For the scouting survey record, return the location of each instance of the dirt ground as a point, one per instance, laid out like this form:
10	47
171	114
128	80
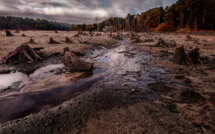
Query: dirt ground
181	100
42	38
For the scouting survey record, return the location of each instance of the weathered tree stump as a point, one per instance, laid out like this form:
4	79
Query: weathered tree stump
52	41
149	40
8	33
192	58
189	38
23	35
73	63
181	57
162	43
110	35
32	41
172	43
195	56
21	53
68	40
76	35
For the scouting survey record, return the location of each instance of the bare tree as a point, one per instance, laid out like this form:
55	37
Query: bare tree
97	20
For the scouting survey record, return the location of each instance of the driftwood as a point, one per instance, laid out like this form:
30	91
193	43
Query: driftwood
21	53
73	63
192	58
8	33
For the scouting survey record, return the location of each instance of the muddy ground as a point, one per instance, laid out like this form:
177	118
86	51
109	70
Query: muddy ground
141	90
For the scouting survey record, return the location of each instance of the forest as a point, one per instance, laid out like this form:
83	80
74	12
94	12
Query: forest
184	15
8	22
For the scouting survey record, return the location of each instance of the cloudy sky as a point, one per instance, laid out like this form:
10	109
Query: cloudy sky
77	11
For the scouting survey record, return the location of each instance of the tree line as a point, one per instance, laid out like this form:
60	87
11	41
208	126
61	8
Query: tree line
189	15
8	22
192	15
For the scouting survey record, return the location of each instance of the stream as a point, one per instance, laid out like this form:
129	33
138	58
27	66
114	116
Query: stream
44	89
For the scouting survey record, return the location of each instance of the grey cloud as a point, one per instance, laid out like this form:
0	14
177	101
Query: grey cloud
77	11
54	4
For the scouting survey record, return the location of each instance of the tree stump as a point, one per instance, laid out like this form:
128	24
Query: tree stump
162	43
52	41
21	53
181	57
68	40
189	38
195	56
32	41
8	33
23	35
73	63
192	58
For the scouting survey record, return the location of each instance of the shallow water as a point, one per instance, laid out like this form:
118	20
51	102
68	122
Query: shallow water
123	62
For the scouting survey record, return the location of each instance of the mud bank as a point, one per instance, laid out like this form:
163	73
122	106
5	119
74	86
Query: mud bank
139	93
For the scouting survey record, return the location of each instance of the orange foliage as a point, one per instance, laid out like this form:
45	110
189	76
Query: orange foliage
164	27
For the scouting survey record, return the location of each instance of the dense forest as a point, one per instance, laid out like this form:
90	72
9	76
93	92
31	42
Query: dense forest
184	15
9	22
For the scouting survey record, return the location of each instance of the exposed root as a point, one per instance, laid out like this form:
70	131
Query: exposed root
22	52
73	63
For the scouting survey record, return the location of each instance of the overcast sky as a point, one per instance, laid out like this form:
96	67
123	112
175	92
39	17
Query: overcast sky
77	11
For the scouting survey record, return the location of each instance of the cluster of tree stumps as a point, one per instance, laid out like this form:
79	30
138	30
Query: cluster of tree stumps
24	53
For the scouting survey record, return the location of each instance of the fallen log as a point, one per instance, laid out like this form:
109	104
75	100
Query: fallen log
73	63
21	53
